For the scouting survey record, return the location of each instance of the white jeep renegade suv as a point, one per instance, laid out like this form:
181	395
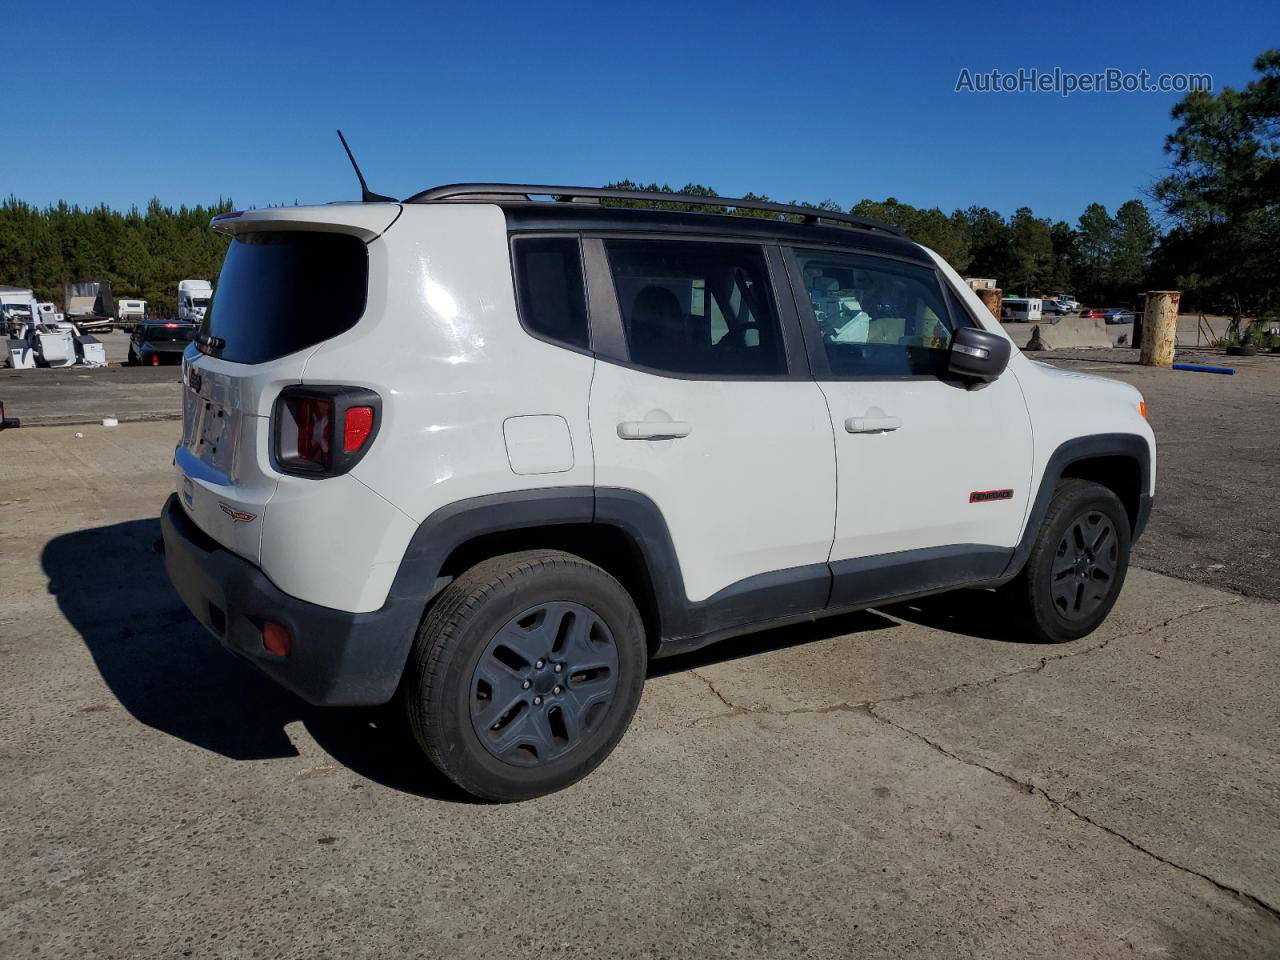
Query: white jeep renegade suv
491	455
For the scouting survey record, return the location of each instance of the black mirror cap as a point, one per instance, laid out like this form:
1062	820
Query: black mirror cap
978	354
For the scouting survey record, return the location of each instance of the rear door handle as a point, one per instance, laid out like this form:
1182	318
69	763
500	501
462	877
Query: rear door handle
654	429
872	424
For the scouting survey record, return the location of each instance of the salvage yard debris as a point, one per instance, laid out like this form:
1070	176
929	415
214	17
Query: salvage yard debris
56	344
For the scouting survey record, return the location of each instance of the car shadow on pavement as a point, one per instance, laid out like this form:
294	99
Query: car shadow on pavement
171	675
981	614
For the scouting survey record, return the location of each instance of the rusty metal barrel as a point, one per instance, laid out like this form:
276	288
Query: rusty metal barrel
1159	328
990	299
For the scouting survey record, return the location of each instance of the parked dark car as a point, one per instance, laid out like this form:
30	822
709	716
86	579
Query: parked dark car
1093	313
153	343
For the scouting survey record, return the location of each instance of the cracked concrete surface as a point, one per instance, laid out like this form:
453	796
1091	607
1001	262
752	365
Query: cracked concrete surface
913	782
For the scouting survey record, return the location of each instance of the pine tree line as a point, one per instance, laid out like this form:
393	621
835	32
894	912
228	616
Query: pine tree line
142	253
1099	258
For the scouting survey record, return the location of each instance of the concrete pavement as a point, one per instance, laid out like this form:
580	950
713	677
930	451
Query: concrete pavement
913	782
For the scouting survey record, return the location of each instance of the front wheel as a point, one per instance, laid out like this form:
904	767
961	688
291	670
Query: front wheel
1077	565
525	674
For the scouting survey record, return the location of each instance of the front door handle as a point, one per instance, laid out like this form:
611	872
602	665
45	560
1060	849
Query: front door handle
872	424
654	429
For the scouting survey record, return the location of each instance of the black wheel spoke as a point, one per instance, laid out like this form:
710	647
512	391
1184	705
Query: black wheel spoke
1107	562
504	686
1085	566
1100	537
491	717
543	683
519	732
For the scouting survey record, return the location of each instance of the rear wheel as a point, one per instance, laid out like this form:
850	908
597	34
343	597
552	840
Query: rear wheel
525	674
1077	565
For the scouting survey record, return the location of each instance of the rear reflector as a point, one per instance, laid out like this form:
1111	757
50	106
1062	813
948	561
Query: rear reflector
356	430
276	639
155	359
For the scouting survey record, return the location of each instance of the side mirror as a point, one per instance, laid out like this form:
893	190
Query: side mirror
977	354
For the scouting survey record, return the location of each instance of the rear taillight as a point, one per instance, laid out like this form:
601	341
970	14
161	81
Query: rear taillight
313	421
324	431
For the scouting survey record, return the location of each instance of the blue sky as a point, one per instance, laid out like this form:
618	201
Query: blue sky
799	101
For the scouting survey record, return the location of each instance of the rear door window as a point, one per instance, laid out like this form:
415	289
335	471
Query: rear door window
283	291
701	309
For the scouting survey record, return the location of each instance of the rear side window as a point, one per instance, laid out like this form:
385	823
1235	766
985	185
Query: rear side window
284	291
697	308
549	291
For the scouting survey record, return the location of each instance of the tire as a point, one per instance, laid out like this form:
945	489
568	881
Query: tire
525	673
1067	588
133	359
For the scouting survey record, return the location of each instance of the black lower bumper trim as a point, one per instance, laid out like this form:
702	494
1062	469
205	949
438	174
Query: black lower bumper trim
337	659
1145	502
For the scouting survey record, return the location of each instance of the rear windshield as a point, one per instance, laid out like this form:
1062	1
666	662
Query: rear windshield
169	331
280	292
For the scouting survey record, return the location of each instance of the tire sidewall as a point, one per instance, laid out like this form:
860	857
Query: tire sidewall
457	747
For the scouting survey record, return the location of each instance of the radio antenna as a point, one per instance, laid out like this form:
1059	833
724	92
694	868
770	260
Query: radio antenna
366	195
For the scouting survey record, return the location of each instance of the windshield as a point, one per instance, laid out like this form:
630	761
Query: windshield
283	291
199	301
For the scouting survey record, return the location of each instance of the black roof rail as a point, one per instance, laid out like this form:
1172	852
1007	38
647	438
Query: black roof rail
527	191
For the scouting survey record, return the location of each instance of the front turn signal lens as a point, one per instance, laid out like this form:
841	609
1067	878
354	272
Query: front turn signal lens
1142	408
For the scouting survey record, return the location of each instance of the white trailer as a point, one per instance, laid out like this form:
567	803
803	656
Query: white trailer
131	312
193	299
1022	309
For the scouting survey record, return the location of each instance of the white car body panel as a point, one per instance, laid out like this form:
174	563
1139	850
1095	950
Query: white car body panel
750	490
909	488
442	344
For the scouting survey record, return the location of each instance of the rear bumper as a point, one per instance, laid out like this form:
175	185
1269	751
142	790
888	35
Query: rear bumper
338	658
